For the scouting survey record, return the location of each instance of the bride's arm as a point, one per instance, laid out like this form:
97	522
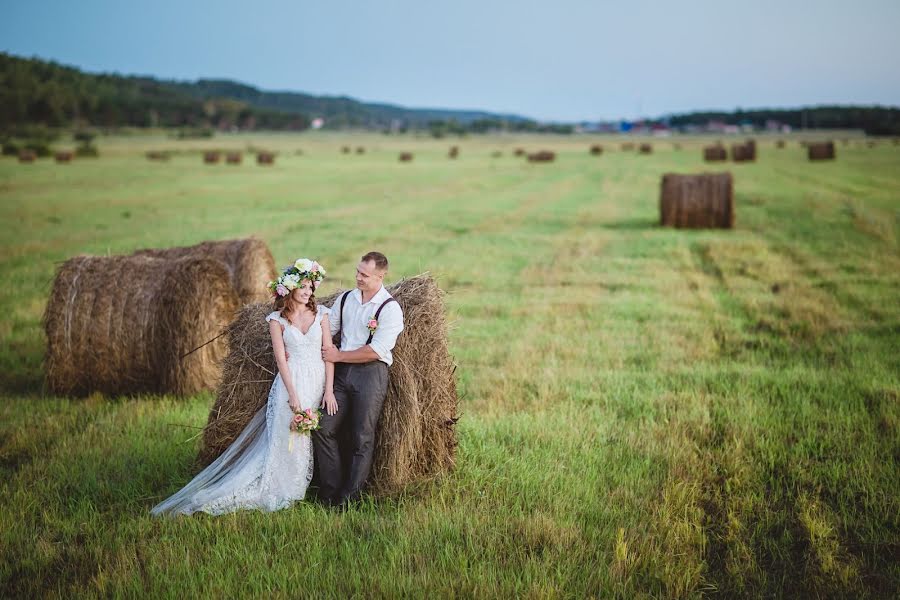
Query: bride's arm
328	400
275	329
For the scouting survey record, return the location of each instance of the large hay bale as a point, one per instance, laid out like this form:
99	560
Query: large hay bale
157	155
715	153
416	439
779	144
646	149
212	157
234	158
129	324
27	156
542	156
519	152
821	151
64	156
249	261
360	150
742	153
265	158
454	152
406	157
345	149
596	150
697	201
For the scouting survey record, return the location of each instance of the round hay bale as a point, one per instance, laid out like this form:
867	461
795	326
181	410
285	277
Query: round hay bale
64	156
345	149
103	336
234	158
820	151
406	157
27	156
360	150
416	437
454	152
265	158
715	153
742	153
519	152
697	201
212	157
542	156
779	144
646	149
596	150
157	155
249	261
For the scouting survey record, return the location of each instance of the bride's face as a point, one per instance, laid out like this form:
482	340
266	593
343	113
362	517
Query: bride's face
302	293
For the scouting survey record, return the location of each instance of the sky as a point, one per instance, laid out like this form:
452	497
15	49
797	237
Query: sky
556	60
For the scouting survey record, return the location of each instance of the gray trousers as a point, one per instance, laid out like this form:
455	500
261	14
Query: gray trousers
345	442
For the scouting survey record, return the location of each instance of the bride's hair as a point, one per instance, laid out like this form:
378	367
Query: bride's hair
288	306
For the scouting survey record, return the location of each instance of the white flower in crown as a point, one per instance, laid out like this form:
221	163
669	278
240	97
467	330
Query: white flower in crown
304	265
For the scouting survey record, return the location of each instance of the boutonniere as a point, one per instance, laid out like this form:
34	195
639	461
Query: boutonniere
372	325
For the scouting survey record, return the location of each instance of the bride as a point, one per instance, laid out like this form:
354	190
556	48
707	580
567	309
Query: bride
268	466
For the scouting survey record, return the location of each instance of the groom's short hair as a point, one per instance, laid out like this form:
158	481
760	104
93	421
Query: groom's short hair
380	260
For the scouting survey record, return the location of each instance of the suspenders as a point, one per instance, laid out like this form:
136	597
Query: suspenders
340	332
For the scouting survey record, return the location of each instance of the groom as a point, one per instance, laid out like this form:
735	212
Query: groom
368	320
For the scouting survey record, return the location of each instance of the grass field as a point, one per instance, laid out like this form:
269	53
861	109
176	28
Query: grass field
645	412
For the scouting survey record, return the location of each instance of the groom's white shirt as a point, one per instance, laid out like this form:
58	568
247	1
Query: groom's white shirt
357	315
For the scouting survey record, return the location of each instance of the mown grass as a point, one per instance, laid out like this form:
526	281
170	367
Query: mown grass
645	413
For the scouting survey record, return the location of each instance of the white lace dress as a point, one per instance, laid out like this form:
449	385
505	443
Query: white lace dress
267	467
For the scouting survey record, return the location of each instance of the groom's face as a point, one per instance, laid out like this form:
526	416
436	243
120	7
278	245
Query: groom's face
368	277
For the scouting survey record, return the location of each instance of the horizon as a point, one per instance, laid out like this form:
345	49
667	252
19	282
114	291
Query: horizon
592	62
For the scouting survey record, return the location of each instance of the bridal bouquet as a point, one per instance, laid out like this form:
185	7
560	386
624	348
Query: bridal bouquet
306	420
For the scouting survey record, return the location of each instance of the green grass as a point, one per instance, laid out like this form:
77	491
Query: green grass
645	412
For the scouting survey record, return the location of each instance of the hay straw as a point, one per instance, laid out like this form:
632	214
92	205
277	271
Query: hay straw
123	325
705	200
416	438
249	261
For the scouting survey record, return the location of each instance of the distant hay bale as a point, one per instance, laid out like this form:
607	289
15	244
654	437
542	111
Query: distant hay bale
821	151
519	152
157	155
265	158
779	144
64	156
416	439
542	156
345	149
360	150
750	145
596	150
627	147
406	157
454	152
250	263
128	324
234	158
697	201
27	156
646	149
211	158
742	153
715	153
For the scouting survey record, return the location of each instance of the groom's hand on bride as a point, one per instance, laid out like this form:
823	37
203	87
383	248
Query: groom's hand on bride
329	403
331	354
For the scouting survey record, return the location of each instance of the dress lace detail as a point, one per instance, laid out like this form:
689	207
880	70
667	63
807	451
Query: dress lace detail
267	467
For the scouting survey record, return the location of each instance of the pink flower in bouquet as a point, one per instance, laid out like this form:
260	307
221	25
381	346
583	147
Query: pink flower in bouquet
281	290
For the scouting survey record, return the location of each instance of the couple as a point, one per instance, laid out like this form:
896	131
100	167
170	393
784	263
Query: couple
269	466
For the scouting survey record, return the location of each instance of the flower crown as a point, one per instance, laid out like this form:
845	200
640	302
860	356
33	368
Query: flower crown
291	277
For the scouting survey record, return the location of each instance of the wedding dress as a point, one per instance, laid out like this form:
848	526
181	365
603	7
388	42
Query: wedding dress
268	467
